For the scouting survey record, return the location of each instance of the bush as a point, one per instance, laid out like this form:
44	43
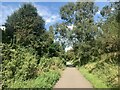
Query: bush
106	69
18	63
47	64
45	80
21	64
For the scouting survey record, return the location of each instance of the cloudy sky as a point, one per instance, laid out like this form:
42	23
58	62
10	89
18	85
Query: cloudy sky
48	10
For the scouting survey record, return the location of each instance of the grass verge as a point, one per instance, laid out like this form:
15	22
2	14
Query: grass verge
93	79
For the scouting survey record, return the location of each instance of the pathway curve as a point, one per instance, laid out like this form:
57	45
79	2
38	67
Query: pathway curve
71	78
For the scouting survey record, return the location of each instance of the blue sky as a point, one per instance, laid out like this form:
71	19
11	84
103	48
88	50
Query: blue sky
48	10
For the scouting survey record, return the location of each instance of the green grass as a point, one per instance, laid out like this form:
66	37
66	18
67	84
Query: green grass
93	79
45	80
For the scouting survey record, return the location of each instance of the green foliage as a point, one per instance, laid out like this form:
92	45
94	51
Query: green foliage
70	56
55	50
96	82
29	51
23	25
30	54
67	12
105	69
91	40
45	80
47	64
74	13
82	37
20	64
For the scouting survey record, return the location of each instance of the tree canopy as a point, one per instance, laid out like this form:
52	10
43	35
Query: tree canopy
24	24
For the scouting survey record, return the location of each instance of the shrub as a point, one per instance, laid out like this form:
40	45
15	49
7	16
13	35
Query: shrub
47	64
45	80
106	69
18	63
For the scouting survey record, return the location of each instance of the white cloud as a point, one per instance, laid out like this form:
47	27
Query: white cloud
42	10
47	14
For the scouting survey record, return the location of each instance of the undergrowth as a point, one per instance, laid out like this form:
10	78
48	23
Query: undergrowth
105	70
95	81
45	80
